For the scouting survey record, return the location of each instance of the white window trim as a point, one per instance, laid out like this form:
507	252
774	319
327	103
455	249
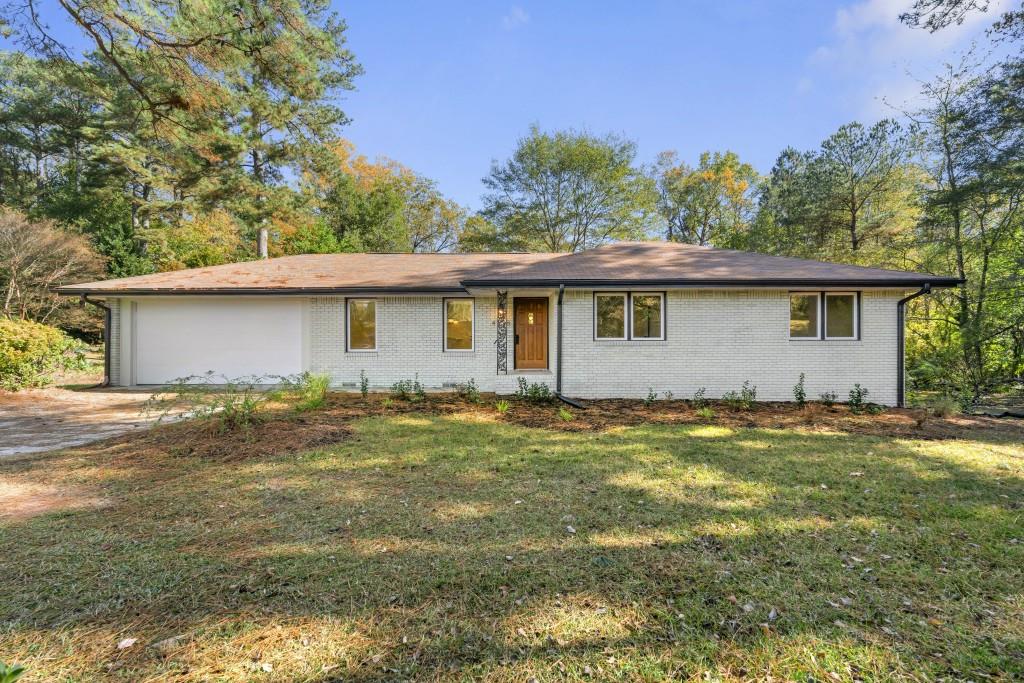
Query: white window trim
472	324
348	325
818	318
661	331
824	317
625	315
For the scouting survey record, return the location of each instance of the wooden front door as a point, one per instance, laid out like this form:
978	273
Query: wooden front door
531	333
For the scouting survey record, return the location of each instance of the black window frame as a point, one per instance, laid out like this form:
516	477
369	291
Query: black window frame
822	308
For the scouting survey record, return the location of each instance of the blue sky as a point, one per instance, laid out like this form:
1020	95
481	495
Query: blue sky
450	86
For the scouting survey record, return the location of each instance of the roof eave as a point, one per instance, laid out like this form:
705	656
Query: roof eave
935	282
253	291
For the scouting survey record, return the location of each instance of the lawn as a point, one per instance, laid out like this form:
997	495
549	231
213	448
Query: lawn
461	545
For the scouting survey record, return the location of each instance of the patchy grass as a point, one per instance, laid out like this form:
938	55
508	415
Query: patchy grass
456	543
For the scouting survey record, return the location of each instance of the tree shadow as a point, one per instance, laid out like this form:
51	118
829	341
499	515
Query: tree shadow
489	547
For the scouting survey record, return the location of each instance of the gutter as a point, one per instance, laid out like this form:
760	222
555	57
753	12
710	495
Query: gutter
107	319
901	316
558	359
719	282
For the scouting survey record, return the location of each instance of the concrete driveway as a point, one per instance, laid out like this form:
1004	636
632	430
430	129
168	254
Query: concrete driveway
38	420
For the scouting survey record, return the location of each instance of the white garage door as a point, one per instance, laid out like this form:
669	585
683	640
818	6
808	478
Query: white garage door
232	337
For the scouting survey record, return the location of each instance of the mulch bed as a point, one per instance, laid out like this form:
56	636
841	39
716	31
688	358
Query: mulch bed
283	431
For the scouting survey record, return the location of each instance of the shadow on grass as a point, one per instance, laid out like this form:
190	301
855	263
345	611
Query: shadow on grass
430	546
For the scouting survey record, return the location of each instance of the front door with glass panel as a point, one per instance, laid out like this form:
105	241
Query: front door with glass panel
531	330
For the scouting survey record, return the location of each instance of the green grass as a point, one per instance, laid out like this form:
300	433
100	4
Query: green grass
439	547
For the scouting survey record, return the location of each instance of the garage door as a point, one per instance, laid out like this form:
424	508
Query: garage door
234	338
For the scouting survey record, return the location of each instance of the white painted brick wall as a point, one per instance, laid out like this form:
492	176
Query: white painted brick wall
715	339
720	338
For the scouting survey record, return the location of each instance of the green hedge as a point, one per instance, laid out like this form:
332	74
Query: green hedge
30	352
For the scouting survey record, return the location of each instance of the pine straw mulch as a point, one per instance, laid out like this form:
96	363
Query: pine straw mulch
282	431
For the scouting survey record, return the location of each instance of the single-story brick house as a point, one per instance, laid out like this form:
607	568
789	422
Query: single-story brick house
615	321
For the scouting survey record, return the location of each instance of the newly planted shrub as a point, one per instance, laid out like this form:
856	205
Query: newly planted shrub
231	403
30	353
468	391
502	406
364	384
799	393
535	392
742	400
944	406
409	390
565	414
699	401
858	398
312	390
705	412
828	398
652	396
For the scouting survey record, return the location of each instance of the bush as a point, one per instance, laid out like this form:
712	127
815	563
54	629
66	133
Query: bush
312	390
30	352
536	392
409	390
232	403
799	393
364	384
944	406
744	400
502	406
828	398
652	396
858	398
705	412
565	414
698	398
468	391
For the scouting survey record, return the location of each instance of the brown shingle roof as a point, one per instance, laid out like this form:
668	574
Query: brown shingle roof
622	263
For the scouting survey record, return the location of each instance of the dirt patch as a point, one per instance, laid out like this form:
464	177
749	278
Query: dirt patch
22	501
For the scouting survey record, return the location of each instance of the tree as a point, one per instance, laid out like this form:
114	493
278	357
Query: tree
973	227
35	257
567	191
710	204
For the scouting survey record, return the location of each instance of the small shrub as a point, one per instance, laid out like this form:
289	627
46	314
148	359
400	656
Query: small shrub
668	395
312	391
501	406
387	403
468	391
875	409
742	400
402	389
10	673
799	393
858	399
705	412
652	396
944	406
408	390
232	403
565	415
31	352
699	401
364	384
828	398
535	392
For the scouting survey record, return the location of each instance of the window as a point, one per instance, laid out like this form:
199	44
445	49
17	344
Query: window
610	316
840	315
622	316
458	325
647	316
803	316
362	325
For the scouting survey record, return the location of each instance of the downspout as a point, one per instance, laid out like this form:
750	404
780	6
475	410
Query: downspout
558	358
107	317
901	316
